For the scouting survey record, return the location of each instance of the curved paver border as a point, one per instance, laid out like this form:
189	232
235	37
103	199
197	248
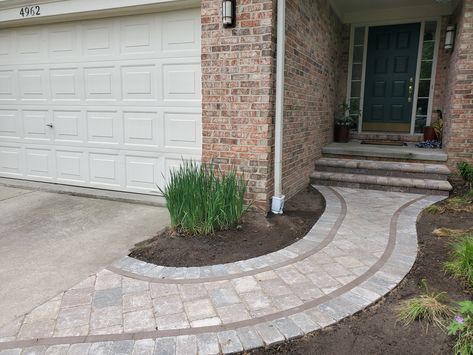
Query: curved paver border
395	262
320	235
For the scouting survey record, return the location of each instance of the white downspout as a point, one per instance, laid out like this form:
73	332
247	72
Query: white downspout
277	204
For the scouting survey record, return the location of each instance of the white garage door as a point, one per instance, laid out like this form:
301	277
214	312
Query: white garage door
109	103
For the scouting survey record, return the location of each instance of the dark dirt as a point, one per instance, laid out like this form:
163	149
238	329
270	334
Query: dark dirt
376	329
258	235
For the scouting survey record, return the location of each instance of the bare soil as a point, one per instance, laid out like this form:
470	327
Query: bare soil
256	235
376	330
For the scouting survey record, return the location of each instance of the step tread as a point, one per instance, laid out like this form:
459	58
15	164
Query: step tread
384	165
383	180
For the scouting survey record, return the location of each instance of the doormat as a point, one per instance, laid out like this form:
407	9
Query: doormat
383	142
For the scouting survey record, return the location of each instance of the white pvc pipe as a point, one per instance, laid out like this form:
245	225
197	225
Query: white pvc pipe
278	129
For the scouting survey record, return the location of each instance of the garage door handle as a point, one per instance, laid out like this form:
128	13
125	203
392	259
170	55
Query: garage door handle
50	125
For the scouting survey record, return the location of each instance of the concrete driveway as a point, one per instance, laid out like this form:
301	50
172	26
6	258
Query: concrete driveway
49	242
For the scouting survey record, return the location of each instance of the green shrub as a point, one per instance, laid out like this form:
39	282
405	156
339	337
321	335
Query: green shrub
462	328
466	172
461	263
202	200
430	307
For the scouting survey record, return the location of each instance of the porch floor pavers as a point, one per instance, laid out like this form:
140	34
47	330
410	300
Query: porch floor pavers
363	246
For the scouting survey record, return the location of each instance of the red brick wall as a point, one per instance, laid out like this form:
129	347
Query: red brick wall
459	90
316	49
238	92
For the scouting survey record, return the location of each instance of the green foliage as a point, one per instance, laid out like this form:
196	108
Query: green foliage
202	200
461	263
437	125
461	327
433	209
347	114
430	307
466	172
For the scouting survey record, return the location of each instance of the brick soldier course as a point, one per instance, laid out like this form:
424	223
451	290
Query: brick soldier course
362	246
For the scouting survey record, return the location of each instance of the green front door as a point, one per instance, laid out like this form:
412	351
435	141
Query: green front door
390	74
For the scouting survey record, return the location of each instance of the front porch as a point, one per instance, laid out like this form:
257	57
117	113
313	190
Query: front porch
396	73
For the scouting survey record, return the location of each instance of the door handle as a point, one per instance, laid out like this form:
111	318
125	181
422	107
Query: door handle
50	125
410	89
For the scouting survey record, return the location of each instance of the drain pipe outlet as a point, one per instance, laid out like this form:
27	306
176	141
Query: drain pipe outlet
277	204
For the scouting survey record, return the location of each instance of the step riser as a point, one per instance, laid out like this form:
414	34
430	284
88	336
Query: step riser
384	158
379	172
379	187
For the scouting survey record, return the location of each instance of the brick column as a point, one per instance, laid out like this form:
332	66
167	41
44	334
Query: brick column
459	93
238	92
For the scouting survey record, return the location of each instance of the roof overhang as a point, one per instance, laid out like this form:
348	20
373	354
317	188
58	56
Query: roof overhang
369	11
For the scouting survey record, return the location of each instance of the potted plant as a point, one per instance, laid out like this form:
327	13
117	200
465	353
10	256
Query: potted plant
438	126
344	119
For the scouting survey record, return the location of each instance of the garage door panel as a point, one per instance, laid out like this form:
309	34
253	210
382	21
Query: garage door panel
71	166
66	84
102	84
6	45
11	161
105	169
123	97
182	83
40	164
141	128
181	32
182	130
103	127
10	126
142	173
35	125
33	85
139	82
69	127
8	90
99	38
63	42
31	44
137	35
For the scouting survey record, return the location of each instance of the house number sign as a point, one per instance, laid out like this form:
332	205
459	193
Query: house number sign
30	11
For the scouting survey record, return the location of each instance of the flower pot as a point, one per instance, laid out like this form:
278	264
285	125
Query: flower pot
429	134
342	133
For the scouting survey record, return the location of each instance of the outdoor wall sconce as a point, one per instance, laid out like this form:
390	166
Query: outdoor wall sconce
229	13
449	37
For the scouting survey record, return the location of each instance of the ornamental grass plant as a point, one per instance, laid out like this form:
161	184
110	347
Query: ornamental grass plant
202	199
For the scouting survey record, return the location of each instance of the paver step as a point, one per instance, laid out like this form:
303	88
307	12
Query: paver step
354	149
383	168
376	182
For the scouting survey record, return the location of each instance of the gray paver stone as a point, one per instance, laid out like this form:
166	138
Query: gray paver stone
249	338
108	297
269	333
79	349
165	346
207	344
229	342
144	347
288	328
57	349
123	347
186	345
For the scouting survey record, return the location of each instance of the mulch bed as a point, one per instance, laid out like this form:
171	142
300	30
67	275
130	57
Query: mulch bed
257	235
376	329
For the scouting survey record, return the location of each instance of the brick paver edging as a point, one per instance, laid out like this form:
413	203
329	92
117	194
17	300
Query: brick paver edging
385	241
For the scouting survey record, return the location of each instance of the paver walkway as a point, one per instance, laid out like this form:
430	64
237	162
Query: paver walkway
362	246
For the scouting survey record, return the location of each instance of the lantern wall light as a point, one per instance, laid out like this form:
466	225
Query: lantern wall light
449	37
229	13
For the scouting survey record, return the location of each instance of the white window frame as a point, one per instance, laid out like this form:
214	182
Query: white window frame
367	26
